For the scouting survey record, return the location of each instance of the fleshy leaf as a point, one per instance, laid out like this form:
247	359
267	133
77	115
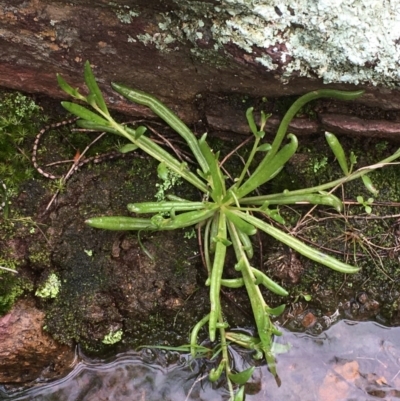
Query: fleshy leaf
94	89
242	377
84	113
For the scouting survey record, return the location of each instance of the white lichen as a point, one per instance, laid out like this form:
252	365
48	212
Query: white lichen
159	40
123	13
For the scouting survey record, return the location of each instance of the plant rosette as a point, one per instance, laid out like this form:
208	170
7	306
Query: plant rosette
229	214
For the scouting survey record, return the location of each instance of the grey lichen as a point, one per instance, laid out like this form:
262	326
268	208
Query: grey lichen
348	41
123	13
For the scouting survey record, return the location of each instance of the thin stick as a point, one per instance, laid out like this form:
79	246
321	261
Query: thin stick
73	169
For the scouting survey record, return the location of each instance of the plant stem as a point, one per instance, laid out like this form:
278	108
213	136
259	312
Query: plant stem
264	325
248	162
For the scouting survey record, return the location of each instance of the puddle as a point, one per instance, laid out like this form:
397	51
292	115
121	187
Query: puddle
350	361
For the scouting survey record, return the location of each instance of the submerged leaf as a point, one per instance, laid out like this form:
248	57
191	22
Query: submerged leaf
242	377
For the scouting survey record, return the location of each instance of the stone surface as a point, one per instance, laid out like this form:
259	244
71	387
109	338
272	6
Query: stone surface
181	50
26	351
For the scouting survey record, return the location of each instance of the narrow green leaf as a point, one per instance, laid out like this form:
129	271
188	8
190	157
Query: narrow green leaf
96	127
129	147
323	198
185	219
217	181
242	377
298	104
250	121
216	276
246	243
224	241
239	396
244	340
158	153
240	223
84	113
167	115
299	246
267	170
91	99
194	334
264	119
273	213
268	283
338	151
139	131
353	158
213	233
67	88
369	185
265	147
275	311
215	374
232	282
165	206
120	223
94	89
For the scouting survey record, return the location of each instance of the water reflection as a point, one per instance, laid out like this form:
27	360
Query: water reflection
350	361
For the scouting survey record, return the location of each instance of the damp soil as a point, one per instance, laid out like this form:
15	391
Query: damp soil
150	286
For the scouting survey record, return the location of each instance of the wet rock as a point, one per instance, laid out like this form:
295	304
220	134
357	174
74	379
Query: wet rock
26	351
362	298
286	266
309	320
372	306
337	383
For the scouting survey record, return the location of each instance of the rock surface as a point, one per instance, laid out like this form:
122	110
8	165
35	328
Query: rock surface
26	351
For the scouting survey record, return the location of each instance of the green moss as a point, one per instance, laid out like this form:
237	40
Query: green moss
38	255
19	116
11	288
50	288
113	337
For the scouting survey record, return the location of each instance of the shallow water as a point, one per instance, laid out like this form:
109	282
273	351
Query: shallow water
350	361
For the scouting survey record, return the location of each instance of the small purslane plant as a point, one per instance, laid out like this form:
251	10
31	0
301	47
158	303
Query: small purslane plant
228	215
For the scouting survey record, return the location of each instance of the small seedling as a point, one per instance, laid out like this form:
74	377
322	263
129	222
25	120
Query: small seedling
319	164
365	203
306	297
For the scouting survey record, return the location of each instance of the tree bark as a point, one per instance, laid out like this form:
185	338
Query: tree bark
148	45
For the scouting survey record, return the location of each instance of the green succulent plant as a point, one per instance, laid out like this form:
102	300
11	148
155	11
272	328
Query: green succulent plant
228	215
